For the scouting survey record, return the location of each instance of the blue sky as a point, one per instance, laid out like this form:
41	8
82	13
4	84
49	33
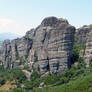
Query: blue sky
18	16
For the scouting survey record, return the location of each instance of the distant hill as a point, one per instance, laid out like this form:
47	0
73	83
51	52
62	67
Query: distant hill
10	36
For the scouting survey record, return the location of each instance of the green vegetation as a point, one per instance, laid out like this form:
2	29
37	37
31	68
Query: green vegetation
29	39
76	51
26	56
36	59
13	74
17	53
76	79
26	68
82	84
70	81
14	77
18	90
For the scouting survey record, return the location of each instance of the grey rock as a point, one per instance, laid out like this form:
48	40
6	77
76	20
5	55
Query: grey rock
27	74
45	48
84	35
42	85
45	75
53	43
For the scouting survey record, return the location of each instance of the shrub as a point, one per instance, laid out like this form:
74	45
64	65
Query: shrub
18	90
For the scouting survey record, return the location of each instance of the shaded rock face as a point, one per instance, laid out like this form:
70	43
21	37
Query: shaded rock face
48	47
13	51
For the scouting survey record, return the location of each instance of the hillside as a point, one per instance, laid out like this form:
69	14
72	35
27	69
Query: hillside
82	84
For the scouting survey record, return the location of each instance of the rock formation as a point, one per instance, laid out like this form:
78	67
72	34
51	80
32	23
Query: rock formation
52	45
84	35
45	48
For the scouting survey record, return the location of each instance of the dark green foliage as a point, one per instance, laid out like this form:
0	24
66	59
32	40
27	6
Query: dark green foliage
34	82
76	79
29	39
2	81
17	53
26	68
11	75
34	76
76	51
56	83
82	84
18	75
1	62
26	56
36	59
1	67
19	58
29	85
18	90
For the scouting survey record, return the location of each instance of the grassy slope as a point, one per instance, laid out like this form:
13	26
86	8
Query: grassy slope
82	84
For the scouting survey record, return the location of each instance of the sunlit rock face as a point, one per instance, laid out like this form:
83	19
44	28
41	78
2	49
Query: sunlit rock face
53	42
84	35
48	47
81	34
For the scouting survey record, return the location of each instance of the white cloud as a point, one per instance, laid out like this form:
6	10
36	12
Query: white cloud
9	25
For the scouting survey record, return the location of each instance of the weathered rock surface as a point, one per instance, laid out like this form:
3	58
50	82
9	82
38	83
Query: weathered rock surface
84	35
42	85
27	74
52	46
46	48
88	50
81	34
12	53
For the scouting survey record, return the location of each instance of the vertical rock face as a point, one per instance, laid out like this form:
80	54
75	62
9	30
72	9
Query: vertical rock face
81	34
52	45
15	51
6	57
48	47
88	50
84	35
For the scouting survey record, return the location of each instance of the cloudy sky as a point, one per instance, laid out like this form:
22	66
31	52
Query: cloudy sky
19	16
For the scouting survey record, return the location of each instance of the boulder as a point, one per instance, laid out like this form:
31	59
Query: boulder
42	85
27	74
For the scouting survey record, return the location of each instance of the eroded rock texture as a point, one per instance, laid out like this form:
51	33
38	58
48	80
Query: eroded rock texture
88	50
52	46
84	35
12	53
81	34
46	48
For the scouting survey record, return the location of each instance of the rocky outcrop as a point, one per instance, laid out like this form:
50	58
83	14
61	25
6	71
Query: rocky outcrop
46	48
81	34
88	50
27	74
14	52
5	53
52	46
84	35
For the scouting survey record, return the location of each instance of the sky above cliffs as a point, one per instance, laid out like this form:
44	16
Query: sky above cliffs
19	16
